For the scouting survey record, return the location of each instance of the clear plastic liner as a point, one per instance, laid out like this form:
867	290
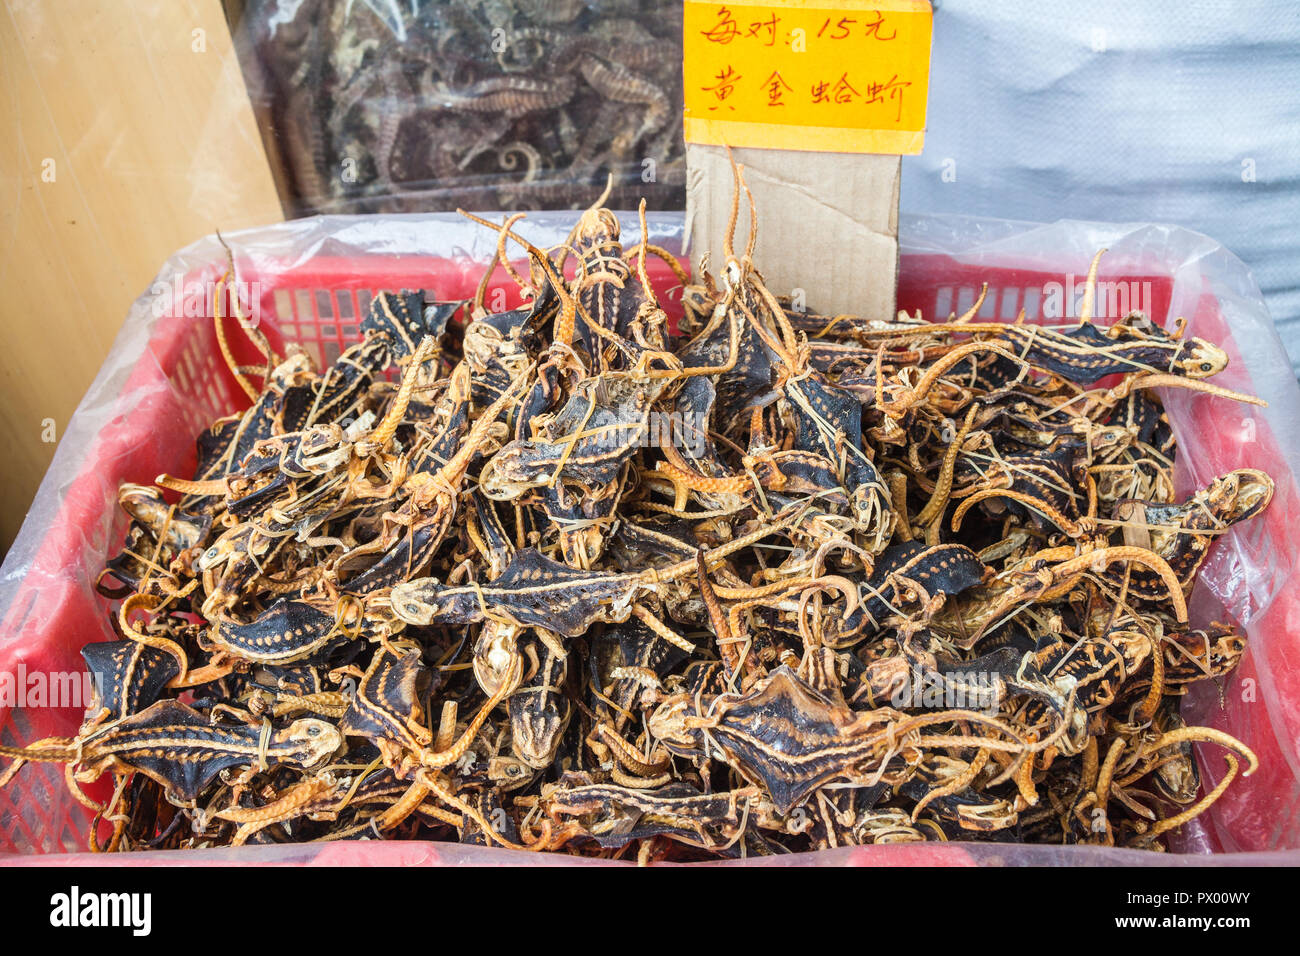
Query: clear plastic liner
1161	111
132	424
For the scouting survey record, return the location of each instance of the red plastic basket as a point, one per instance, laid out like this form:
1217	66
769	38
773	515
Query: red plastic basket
183	384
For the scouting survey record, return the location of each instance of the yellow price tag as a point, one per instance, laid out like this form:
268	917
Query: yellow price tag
848	76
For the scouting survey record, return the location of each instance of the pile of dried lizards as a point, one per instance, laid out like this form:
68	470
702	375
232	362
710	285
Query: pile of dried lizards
782	582
493	104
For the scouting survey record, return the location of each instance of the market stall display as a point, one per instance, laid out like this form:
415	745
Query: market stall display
697	636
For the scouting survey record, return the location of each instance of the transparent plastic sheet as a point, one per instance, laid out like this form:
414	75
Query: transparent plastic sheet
383	106
1161	111
124	430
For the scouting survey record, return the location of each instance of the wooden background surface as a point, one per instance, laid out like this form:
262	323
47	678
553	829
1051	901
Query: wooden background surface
127	134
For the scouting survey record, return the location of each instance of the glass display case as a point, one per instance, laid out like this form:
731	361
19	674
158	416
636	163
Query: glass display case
388	106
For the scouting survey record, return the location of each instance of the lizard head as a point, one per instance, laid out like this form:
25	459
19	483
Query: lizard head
419	601
1200	359
509	772
1239	495
496	656
674	725
515	469
538	732
597	227
872	514
315	741
323	448
223	549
